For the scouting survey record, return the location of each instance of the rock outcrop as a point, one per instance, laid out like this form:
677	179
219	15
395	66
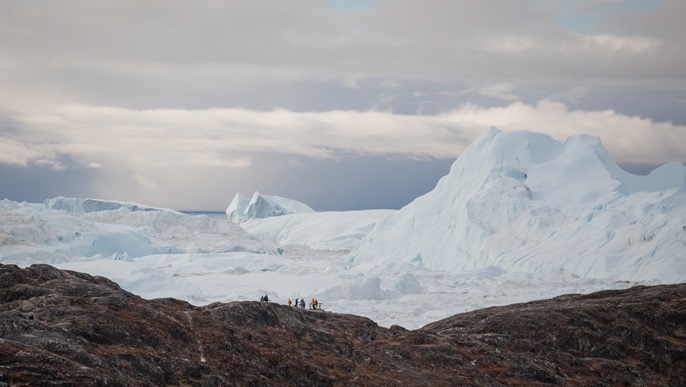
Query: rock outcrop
68	328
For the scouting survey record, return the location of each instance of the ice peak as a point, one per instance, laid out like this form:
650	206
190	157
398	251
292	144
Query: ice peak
525	201
576	170
262	206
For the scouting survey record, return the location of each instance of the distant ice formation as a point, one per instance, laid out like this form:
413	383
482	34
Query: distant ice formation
67	229
92	205
263	206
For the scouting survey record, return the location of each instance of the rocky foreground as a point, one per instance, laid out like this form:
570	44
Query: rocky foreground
68	328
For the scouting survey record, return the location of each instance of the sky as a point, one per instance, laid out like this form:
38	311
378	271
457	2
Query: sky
339	104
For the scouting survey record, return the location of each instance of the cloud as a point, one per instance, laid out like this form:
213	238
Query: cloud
587	46
225	138
607	45
504	91
16	153
508	44
71	48
573	95
147	183
52	164
627	138
166	156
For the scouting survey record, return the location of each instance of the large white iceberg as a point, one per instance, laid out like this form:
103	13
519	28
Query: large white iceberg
525	202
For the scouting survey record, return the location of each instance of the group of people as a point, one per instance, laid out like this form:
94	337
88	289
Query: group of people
314	304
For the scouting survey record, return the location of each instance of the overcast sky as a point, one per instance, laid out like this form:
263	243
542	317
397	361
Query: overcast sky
347	104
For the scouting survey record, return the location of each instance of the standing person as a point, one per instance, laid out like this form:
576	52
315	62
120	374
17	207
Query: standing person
296	302
266	299
302	303
289	302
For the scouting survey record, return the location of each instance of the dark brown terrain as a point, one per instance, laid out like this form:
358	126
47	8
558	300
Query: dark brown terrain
72	329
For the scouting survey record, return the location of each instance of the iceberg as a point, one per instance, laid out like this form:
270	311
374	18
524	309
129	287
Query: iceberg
522	201
84	205
261	206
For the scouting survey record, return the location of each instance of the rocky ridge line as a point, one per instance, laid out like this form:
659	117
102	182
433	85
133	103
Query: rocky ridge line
67	328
